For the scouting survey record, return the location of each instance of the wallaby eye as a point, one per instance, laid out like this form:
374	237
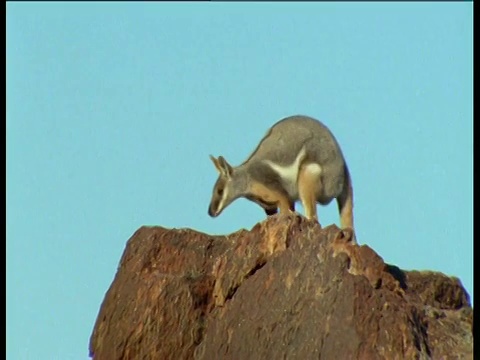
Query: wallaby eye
219	192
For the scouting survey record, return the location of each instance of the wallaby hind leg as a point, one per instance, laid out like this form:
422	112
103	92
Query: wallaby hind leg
308	182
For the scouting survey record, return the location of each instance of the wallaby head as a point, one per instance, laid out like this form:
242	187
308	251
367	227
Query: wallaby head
227	187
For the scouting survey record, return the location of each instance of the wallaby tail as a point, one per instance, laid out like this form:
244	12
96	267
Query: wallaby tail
345	202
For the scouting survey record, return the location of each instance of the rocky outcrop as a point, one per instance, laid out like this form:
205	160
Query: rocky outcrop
287	289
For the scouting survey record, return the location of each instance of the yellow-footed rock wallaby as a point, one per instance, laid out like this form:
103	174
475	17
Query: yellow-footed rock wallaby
298	159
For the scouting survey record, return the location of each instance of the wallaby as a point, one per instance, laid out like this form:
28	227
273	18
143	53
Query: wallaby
298	159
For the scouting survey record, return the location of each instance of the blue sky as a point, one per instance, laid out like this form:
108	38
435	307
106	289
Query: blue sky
113	109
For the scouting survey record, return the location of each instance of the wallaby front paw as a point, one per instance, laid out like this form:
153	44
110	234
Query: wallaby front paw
349	234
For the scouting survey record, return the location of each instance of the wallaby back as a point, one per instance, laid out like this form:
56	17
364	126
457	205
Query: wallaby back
285	139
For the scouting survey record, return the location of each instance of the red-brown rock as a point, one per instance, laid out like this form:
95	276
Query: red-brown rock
287	289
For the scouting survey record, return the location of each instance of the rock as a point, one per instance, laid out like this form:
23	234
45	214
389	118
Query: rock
287	289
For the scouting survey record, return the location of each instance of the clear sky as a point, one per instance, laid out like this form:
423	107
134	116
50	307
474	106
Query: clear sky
113	109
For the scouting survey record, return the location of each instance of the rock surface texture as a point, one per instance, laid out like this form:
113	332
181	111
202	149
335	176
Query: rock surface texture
287	289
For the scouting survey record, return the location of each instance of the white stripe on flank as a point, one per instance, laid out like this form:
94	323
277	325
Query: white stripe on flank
289	173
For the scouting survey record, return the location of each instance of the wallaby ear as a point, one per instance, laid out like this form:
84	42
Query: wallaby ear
216	163
226	168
